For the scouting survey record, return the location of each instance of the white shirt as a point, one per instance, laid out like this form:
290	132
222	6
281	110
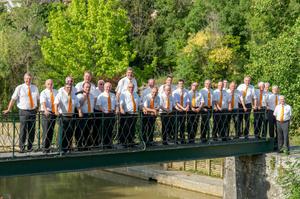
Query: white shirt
62	100
123	85
264	98
237	98
74	90
163	102
225	98
96	92
21	97
147	101
286	114
176	95
271	101
204	93
198	97
161	89
45	97
79	86
84	103
250	93
102	101
145	92
126	101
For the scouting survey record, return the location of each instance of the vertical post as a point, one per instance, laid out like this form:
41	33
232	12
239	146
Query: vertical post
60	132
14	135
39	129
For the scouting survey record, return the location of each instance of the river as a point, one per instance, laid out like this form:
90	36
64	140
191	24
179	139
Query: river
89	185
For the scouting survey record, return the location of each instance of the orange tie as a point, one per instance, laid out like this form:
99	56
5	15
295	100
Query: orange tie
152	103
245	92
69	104
89	104
232	100
194	100
168	103
208	99
221	99
276	100
181	99
260	98
281	113
30	98
133	103
108	103
52	101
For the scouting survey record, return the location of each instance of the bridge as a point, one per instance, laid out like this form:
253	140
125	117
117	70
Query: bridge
13	163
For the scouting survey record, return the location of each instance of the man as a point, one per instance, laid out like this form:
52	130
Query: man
196	103
148	90
267	87
150	112
99	89
181	98
235	98
26	95
65	104
107	103
221	103
47	97
69	80
283	114
129	102
87	77
272	102
207	94
123	83
248	94
84	133
168	82
167	117
259	110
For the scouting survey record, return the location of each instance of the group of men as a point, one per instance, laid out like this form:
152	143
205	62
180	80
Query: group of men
180	110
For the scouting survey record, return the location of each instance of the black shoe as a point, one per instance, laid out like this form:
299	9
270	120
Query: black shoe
182	142
165	143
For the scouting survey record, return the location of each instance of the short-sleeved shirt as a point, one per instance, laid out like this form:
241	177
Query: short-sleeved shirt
177	95
204	93
271	101
79	86
198	98
84	103
62	100
250	93
287	113
46	97
163	102
127	103
225	98
123	85
147	101
102	102
161	89
237	98
263	99
22	99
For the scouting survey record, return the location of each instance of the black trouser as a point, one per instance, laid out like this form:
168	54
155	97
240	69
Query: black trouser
246	117
48	124
272	124
234	117
168	126
192	125
127	128
181	118
27	128
84	131
98	128
148	127
283	134
67	125
220	123
108	124
260	122
205	123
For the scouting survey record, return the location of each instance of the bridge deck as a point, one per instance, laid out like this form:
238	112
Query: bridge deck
37	162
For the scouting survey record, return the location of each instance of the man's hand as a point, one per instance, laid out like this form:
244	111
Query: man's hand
6	111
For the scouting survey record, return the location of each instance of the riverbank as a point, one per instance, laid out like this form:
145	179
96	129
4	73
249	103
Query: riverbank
179	179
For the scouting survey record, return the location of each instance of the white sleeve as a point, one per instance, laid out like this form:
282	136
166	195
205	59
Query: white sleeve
43	97
16	93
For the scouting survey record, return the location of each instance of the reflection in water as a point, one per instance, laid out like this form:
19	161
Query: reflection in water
89	185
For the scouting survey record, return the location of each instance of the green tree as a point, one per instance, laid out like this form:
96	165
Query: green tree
88	35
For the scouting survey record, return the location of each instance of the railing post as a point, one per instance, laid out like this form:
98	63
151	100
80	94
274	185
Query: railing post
140	131
39	130
14	135
60	132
